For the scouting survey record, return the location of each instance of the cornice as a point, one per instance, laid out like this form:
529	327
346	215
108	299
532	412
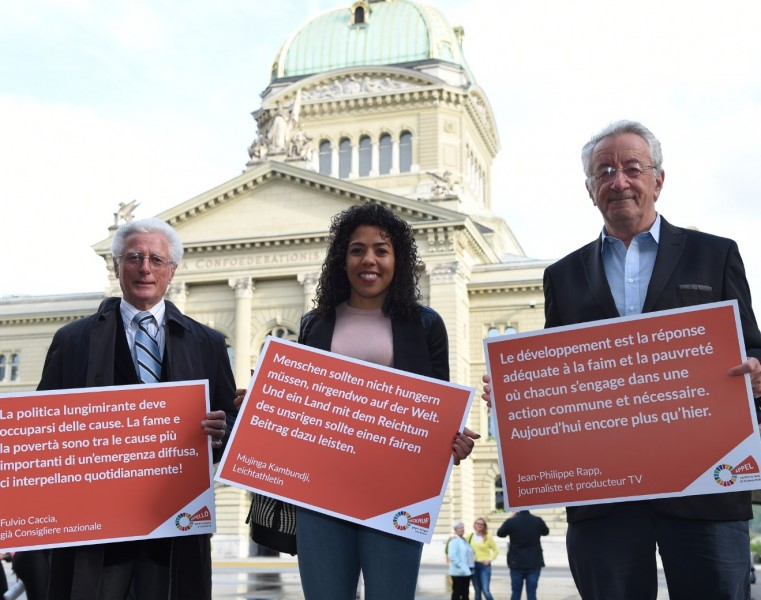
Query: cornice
42	319
392	102
331	86
268	243
480	113
501	288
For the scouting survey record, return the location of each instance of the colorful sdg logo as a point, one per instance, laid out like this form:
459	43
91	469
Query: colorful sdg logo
402	520
724	476
183	522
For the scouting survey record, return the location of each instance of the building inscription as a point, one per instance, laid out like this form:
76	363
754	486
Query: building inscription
254	260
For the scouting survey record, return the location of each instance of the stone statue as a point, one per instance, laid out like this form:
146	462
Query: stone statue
257	151
124	212
443	185
279	132
300	144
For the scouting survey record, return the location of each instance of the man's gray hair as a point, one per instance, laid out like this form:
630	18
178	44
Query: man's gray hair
151	225
619	128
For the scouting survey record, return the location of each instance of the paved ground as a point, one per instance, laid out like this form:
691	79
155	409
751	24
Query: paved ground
278	579
262	580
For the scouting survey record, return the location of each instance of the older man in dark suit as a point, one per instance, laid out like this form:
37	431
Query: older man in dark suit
641	263
110	348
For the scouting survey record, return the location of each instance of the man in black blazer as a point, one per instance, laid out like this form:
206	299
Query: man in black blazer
525	558
641	263
100	350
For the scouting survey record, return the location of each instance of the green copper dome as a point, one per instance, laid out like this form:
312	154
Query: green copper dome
385	32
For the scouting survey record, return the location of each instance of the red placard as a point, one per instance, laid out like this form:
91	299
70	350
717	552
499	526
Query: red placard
104	464
369	444
630	408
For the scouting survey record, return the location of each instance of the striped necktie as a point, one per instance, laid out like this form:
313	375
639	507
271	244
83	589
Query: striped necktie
146	349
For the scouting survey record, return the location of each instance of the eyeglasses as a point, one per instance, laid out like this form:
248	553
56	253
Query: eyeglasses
632	172
135	259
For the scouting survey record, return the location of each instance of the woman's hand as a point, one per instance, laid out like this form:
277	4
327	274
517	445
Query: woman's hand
462	444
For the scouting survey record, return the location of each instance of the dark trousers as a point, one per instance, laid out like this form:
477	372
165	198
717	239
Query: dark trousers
520	576
614	556
32	567
138	576
134	570
460	587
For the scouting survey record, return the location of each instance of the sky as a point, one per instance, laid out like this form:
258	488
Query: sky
108	101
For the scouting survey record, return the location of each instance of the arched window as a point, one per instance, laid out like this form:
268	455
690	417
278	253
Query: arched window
384	154
359	15
365	155
326	157
493	332
15	360
344	158
499	494
3	366
405	152
282	332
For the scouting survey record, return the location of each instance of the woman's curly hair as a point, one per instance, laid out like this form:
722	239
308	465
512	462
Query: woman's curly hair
403	293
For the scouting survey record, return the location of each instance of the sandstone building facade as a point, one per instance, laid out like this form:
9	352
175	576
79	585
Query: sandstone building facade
371	102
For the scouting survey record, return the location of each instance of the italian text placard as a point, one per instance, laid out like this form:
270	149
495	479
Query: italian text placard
104	464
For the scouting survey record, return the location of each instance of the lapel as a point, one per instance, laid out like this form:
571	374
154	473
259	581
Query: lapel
670	248
124	366
102	350
410	348
597	282
320	332
181	357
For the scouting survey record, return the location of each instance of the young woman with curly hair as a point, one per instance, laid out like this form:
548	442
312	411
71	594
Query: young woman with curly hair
367	308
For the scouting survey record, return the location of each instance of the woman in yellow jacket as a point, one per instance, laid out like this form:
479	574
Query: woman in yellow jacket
485	549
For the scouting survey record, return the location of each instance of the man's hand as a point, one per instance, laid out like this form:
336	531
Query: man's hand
215	427
486	396
753	368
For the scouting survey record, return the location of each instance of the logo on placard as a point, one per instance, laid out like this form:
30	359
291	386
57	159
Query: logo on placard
723	475
726	475
183	522
201	519
404	521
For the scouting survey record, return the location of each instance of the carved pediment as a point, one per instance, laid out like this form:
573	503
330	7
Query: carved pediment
275	203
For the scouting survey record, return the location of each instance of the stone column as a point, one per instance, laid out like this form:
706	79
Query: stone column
334	161
177	294
449	297
374	159
354	171
309	281
394	157
244	290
